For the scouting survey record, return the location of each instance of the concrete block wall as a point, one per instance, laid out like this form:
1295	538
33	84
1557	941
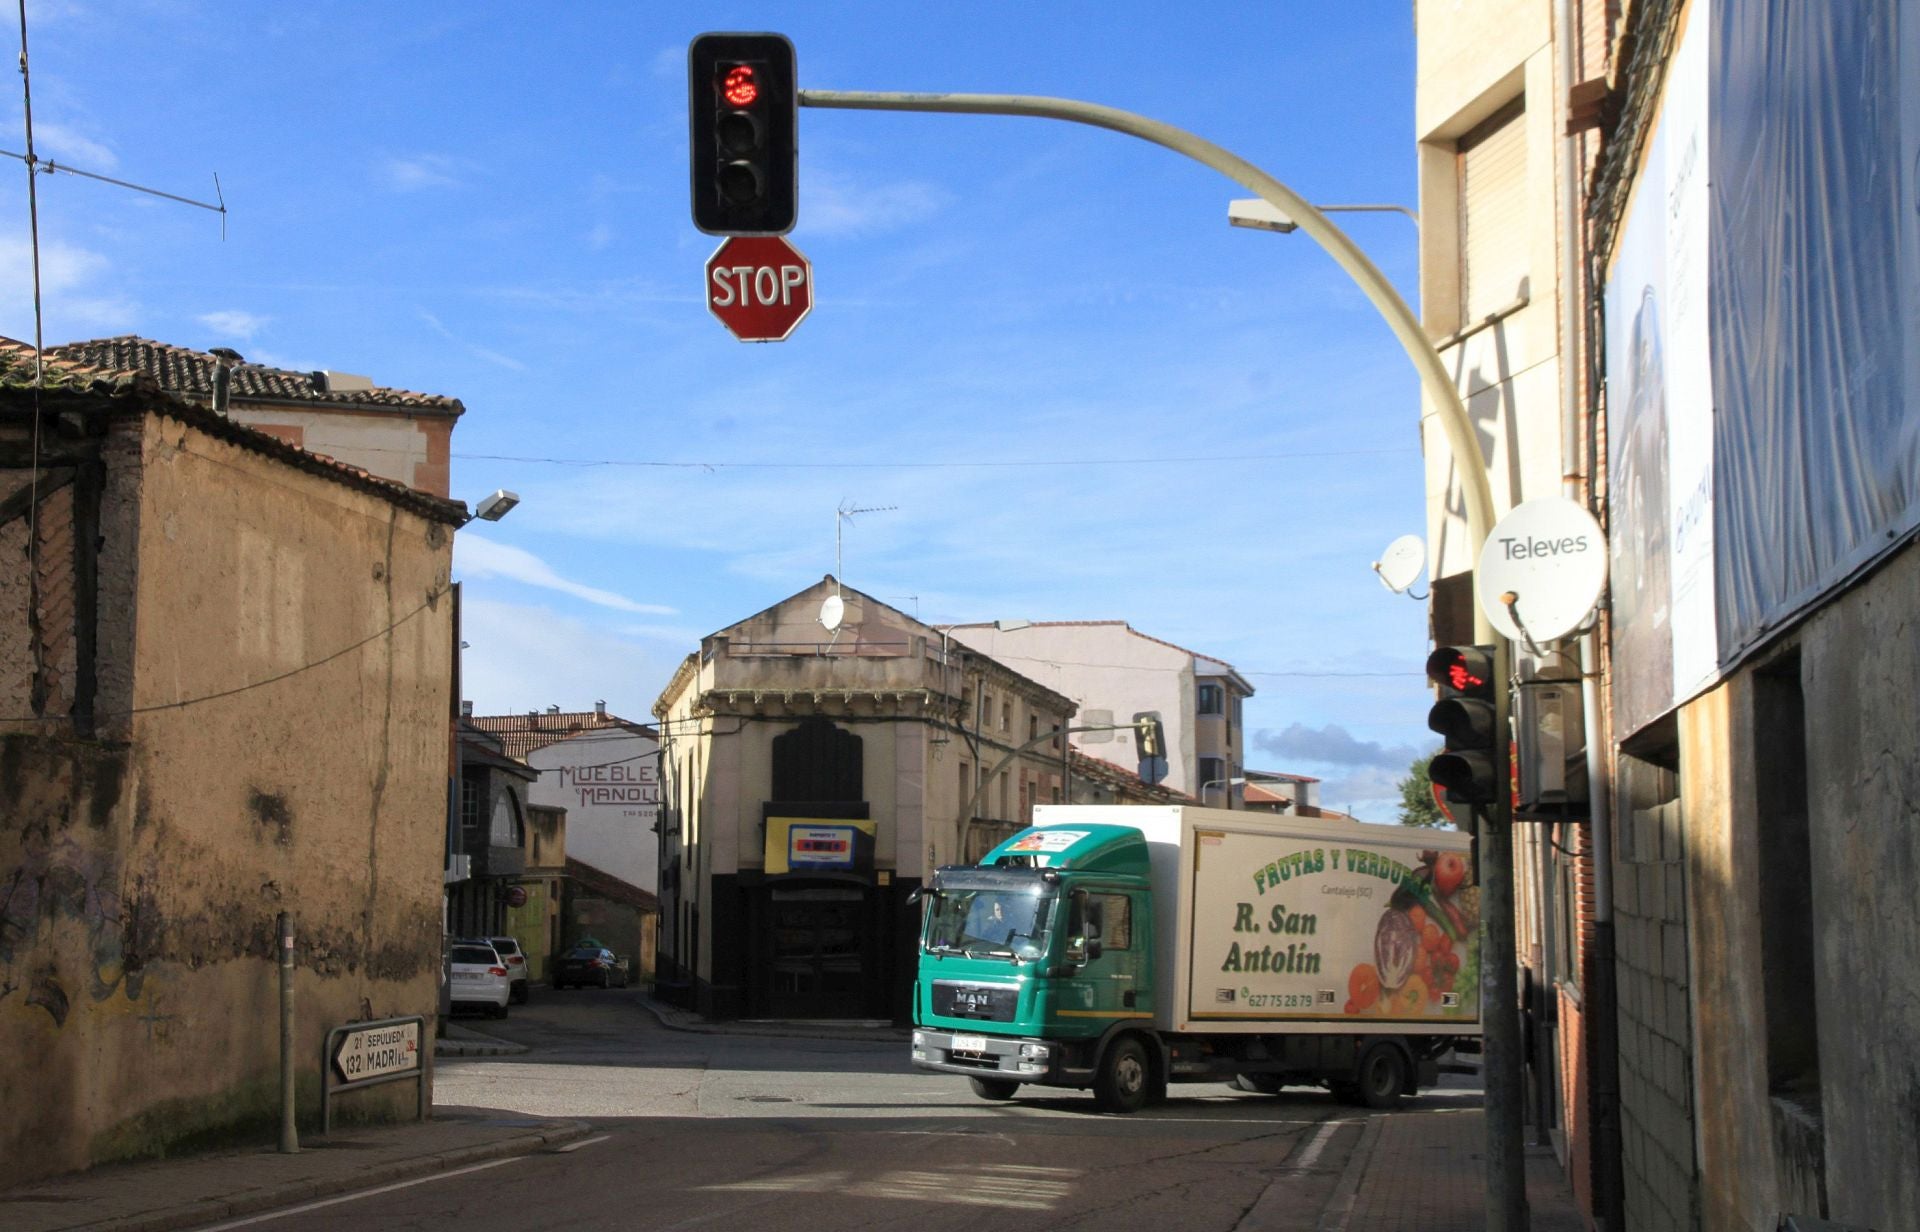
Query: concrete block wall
1656	1025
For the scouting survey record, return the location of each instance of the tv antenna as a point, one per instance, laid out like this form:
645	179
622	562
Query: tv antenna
841	516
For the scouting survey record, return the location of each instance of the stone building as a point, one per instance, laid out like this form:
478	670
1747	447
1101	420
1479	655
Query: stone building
813	774
225	669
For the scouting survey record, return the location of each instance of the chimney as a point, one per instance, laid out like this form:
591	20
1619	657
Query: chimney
600	709
466	710
553	710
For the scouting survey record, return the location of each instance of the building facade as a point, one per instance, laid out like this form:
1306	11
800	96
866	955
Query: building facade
813	775
605	772
1113	672
1736	277
225	668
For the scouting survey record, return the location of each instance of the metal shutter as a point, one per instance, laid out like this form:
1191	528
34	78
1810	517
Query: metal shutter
1493	201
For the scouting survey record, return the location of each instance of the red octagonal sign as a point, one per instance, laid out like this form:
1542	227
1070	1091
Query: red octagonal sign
759	286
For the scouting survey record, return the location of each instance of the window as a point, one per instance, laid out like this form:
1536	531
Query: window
1006	716
1213	699
1056	738
1788	961
1491	166
1033	727
1105	917
1213	778
986	708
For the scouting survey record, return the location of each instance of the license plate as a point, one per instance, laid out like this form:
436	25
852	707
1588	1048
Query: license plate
969	1043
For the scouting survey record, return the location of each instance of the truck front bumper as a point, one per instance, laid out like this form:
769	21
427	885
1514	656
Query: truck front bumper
1019	1058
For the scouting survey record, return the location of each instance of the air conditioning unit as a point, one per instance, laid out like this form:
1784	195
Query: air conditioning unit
1551	749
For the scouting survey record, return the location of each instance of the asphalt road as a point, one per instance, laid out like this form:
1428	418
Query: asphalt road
724	1131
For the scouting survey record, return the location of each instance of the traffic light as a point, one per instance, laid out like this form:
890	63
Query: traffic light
1464	717
1151	736
742	109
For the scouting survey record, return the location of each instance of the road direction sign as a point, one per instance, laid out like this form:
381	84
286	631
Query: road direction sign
759	286
377	1050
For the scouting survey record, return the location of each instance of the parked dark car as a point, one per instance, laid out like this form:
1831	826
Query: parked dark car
589	964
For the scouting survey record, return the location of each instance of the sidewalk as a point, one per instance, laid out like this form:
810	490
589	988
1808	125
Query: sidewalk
189	1192
1426	1171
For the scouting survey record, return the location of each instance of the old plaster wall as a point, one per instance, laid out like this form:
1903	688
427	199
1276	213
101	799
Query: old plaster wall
1761	1155
289	649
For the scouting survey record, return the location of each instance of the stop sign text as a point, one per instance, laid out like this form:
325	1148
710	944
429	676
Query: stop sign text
759	287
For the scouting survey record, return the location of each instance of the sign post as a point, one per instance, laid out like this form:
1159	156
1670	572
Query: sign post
365	1054
759	287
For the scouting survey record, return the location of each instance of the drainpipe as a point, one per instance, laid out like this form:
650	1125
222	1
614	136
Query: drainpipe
1601	997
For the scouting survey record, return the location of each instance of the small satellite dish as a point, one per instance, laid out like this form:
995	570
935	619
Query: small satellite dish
832	612
1401	563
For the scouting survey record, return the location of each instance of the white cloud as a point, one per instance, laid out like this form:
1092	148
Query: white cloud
491	356
528	657
477	558
59	144
233	323
837	204
421	171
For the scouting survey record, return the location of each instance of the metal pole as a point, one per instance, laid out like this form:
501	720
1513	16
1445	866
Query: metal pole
1469	464
289	1131
1502	1058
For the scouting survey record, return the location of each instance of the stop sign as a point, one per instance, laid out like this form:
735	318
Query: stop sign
759	286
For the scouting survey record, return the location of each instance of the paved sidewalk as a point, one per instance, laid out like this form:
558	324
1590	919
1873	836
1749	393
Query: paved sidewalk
191	1192
1425	1171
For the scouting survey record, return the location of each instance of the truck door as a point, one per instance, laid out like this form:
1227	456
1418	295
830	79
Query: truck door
1116	974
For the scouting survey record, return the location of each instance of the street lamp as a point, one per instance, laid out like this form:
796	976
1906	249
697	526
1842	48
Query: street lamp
496	506
1260	214
1229	784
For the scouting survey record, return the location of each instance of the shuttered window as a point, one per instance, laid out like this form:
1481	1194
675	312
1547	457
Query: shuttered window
1493	201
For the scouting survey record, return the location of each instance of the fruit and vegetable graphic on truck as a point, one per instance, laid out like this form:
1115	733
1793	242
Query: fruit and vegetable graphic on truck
1126	947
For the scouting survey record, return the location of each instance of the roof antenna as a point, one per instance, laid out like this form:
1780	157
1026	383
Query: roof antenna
834	609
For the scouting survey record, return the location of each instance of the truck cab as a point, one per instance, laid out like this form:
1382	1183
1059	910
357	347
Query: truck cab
1033	963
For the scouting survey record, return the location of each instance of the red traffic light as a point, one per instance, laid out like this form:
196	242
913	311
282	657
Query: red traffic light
1462	670
740	87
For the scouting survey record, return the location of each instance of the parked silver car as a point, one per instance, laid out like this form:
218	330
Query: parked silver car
509	949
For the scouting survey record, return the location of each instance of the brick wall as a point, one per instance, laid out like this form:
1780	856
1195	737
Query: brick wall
1656	1055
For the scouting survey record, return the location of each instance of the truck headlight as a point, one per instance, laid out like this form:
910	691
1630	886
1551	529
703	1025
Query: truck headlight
1035	1052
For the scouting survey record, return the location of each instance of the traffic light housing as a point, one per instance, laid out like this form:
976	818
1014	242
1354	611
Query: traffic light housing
743	100
1150	735
1464	718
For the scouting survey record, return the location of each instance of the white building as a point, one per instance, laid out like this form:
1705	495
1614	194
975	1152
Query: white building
1114	672
605	772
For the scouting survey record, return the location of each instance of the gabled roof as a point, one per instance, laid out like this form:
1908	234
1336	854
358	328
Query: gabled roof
1225	668
189	374
133	392
1090	767
605	885
521	734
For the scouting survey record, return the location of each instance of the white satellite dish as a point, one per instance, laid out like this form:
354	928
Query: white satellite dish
832	612
1544	563
1401	563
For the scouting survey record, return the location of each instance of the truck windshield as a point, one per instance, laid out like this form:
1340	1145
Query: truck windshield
1001	922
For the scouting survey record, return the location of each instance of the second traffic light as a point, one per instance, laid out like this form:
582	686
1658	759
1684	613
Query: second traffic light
742	107
1464	717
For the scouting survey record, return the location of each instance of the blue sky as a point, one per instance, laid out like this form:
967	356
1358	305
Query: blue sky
1088	397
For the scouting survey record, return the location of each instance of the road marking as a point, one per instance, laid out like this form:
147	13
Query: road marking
355	1197
1319	1143
574	1146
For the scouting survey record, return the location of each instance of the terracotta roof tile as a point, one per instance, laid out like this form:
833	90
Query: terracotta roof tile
521	734
189	373
139	391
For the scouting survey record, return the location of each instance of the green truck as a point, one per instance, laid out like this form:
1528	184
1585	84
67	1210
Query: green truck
1122	948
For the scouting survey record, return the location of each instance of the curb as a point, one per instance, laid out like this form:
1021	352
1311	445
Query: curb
674	1020
1339	1208
197	1214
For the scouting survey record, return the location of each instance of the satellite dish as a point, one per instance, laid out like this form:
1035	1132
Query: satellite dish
1401	563
832	612
1541	570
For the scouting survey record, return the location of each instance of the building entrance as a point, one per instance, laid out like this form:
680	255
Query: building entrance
817	967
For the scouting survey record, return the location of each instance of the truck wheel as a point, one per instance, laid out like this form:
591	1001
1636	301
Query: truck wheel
1383	1076
994	1088
1121	1085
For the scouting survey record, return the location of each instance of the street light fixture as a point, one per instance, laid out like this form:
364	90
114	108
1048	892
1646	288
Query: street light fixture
1259	214
1229	784
496	506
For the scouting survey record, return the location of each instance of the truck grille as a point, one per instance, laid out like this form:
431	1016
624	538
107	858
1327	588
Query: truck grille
981	1002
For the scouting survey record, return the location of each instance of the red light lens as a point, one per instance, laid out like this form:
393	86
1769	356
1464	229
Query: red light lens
740	87
1460	678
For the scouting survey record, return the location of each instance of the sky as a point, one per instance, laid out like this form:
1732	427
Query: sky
1068	389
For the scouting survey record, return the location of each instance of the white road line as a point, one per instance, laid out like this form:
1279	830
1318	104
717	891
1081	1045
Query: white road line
574	1146
1319	1144
355	1197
